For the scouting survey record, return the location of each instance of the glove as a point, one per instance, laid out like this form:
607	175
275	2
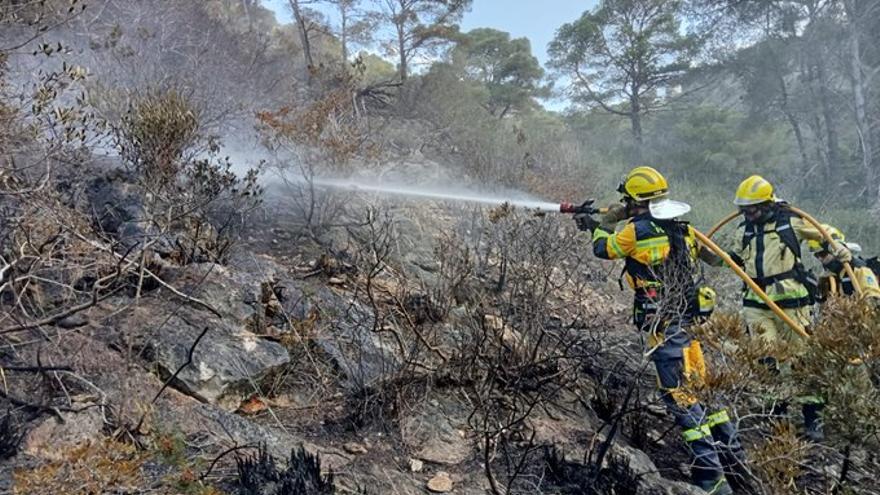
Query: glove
614	214
585	223
840	252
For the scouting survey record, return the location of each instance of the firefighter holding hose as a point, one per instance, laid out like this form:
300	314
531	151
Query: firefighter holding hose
770	254
835	281
660	254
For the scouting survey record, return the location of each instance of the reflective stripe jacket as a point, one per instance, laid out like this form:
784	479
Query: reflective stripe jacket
766	257
643	244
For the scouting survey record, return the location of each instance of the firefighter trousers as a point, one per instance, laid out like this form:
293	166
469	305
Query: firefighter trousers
709	434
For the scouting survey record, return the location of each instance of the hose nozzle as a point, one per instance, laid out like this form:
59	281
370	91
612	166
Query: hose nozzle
586	207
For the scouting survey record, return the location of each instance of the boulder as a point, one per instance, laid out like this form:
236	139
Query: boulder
432	435
233	293
118	209
54	437
227	361
363	356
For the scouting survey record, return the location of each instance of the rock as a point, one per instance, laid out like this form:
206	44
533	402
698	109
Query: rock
650	480
440	483
226	362
493	322
133	390
278	443
51	439
118	209
294	299
510	337
431	433
235	294
416	466
73	321
354	448
363	356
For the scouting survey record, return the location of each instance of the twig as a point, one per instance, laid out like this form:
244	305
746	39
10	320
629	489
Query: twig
844	470
60	316
41	407
222	455
35	369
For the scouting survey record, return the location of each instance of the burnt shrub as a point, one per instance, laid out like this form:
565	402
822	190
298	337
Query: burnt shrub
10	436
259	474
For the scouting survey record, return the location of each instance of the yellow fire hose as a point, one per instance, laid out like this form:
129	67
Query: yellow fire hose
751	283
846	266
724	221
815	223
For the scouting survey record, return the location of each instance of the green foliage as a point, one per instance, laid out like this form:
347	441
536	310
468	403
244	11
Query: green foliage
841	364
420	26
622	55
376	68
187	187
156	133
505	66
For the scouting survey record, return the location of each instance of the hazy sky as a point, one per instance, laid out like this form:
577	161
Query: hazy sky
536	20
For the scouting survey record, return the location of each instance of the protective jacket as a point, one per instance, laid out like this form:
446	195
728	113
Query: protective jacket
659	260
648	247
770	254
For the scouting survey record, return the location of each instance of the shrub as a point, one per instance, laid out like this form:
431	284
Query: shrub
259	475
188	189
10	436
156	133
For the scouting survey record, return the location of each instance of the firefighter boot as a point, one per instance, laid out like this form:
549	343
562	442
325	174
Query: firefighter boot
716	487
813	422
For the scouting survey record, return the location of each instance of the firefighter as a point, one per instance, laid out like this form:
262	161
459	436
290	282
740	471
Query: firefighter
835	280
660	255
770	254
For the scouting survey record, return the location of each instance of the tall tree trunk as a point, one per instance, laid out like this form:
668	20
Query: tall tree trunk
635	120
343	34
831	140
860	102
795	126
303	29
245	5
815	122
403	70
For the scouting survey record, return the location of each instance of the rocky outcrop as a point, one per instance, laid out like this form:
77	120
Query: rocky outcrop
432	435
350	338
228	360
256	294
56	435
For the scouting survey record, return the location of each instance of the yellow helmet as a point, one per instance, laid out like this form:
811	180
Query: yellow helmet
753	191
818	247
644	183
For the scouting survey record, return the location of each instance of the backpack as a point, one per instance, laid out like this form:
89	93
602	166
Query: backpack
679	273
874	265
788	238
